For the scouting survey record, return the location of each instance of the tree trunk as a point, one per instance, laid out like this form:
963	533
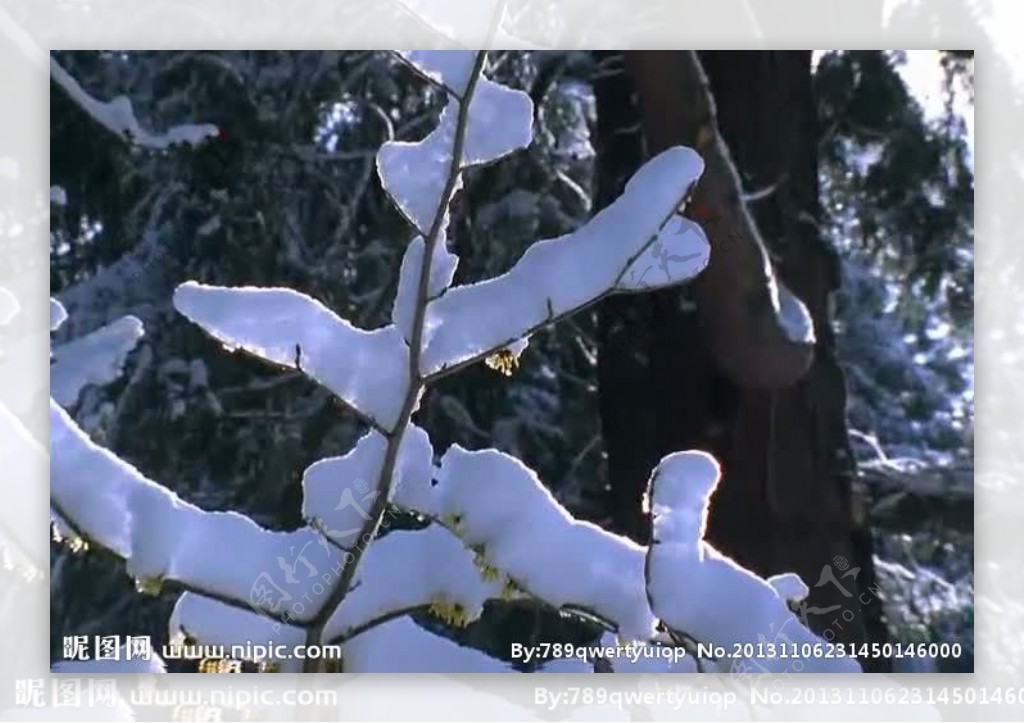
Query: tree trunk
708	367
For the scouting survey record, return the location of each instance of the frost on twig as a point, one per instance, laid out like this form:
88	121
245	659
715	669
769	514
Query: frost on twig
118	117
698	591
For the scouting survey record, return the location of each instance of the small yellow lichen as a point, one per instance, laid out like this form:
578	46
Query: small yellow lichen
452	521
449	612
149	585
509	591
488	573
503	361
78	545
220	665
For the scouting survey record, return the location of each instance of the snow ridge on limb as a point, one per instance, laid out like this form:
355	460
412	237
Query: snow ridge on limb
161	537
118	116
96	358
637	243
497	507
365	369
500	121
410	569
696	590
442	271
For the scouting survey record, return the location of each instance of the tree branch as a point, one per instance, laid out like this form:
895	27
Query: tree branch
737	294
416	381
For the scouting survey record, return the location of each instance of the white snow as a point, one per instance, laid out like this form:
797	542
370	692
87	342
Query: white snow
556	277
679	252
442	270
500	121
789	586
95	358
415	173
402	646
407	569
211	622
118	117
161	536
338	492
368	370
450	68
498	507
57	314
696	590
58	196
793	316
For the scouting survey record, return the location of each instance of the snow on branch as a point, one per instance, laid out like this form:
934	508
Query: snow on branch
95	358
118	116
58	315
411	569
365	369
452	69
698	591
442	271
498	120
161	537
498	508
338	492
638	243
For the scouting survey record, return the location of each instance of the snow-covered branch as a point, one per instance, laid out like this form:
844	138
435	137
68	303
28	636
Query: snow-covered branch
118	116
698	591
364	369
638	243
162	537
498	507
96	358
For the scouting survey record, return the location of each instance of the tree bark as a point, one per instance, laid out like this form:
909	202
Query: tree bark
727	378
